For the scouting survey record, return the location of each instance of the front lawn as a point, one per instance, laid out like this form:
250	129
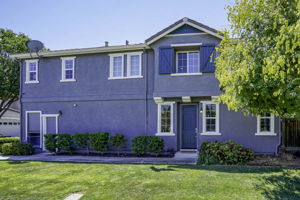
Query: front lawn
50	180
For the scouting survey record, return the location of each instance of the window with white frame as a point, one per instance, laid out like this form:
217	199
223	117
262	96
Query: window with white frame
134	64
32	71
165	119
210	118
116	65
187	62
68	69
265	124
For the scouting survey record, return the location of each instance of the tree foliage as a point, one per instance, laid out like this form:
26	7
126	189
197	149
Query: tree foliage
258	64
11	43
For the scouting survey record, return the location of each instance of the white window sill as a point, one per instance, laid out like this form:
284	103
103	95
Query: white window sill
186	74
165	134
68	80
265	134
30	82
124	77
210	133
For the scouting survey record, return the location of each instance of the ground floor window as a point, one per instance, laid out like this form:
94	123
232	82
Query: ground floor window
165	119
210	122
265	124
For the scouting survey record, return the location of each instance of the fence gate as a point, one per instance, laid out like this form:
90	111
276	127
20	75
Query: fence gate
291	133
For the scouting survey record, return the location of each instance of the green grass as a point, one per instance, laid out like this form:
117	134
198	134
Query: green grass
50	180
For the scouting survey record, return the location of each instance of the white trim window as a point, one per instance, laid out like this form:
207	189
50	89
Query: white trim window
116	65
265	125
187	62
68	69
165	119
210	124
134	64
32	71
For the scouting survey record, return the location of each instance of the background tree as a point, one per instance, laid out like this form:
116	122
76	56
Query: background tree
259	69
11	43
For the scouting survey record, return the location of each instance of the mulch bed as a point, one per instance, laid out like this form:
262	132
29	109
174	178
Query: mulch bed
283	160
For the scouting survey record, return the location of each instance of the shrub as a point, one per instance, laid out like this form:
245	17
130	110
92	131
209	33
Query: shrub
17	149
82	140
4	140
118	141
156	145
99	141
139	145
64	142
50	142
228	153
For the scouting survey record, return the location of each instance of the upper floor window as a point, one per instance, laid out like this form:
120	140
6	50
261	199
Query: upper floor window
133	65
265	124
210	118
32	71
165	119
68	69
187	62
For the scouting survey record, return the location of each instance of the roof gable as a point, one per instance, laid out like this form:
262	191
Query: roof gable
183	25
184	29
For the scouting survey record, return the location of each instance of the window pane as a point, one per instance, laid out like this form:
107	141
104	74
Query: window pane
117	66
182	63
194	62
210	110
266	115
210	125
165	118
32	66
69	74
69	64
32	76
265	124
135	65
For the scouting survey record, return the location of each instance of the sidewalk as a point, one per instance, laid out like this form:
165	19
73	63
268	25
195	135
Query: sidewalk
98	159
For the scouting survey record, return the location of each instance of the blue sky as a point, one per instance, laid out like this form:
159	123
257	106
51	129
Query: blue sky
64	24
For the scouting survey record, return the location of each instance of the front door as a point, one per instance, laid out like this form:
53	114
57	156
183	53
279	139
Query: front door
50	125
189	127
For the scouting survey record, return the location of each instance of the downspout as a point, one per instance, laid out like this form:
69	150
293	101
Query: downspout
146	90
20	97
279	138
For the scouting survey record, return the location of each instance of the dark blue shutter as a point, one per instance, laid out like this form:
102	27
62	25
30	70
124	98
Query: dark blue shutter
207	63
166	60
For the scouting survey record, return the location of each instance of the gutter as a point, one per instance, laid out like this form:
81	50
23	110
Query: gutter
68	52
146	91
20	97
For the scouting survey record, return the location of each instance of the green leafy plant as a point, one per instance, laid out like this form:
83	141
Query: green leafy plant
4	140
17	149
228	153
51	142
118	141
64	142
139	145
156	145
99	141
82	140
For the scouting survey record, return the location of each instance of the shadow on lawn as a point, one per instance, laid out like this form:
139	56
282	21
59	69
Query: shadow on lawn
17	162
155	169
284	186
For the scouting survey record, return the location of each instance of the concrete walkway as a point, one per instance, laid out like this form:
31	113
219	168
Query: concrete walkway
189	159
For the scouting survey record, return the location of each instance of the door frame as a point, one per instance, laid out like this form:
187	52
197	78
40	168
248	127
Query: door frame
44	126
26	124
197	122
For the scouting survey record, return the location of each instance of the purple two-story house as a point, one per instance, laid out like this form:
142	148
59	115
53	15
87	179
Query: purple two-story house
163	87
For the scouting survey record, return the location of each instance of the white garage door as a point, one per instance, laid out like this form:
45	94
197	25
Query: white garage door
10	128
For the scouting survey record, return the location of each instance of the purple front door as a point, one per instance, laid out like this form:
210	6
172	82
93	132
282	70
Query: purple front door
189	127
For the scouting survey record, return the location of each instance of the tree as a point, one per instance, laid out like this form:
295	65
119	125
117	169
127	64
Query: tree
11	43
258	64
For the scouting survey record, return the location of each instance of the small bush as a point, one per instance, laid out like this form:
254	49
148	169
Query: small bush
99	141
156	145
4	140
228	153
82	141
17	149
139	145
50	142
64	142
118	141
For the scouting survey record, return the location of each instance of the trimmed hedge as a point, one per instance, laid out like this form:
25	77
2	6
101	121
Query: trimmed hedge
17	149
4	140
64	142
228	153
141	144
99	141
118	141
82	141
156	145
51	142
